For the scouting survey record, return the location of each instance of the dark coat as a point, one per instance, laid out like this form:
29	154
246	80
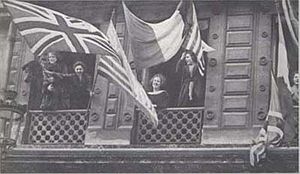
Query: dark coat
80	91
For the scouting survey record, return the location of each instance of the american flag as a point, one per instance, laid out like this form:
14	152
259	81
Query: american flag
193	40
138	93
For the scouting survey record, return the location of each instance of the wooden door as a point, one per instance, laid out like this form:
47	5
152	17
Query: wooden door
111	115
238	73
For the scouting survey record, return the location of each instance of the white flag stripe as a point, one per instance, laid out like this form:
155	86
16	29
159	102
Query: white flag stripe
288	21
207	48
116	64
189	45
116	73
197	44
50	17
37	19
276	130
86	39
139	95
193	29
35	30
282	69
38	44
49	45
275	114
115	79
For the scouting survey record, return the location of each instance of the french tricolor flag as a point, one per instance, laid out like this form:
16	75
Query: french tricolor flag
155	43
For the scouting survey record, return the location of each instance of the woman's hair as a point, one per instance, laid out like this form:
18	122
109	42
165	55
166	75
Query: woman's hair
57	55
162	78
194	58
79	63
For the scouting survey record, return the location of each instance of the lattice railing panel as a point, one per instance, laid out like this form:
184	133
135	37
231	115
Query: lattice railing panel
175	126
57	126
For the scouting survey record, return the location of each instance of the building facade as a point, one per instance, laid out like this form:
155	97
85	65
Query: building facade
114	136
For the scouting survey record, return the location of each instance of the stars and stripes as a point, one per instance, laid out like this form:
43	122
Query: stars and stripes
138	93
193	40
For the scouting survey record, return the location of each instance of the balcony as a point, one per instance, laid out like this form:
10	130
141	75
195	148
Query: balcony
175	126
56	127
54	141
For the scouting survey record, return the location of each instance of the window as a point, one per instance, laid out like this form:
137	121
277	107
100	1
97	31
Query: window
173	79
60	80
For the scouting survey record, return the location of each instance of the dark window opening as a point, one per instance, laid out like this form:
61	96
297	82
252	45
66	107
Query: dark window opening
61	84
174	80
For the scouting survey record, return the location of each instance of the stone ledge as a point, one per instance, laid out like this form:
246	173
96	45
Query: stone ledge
146	160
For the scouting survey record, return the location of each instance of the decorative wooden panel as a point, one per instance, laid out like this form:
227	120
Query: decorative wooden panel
236	103
113	90
246	68
239	38
237	86
238	7
238	74
98	102
214	72
263	64
238	54
110	121
231	119
239	22
112	105
237	70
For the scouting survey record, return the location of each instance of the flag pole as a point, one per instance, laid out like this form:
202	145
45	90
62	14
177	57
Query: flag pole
93	86
112	16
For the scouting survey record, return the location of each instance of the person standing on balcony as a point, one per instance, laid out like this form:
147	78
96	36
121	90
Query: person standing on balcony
158	97
53	87
295	89
189	94
80	84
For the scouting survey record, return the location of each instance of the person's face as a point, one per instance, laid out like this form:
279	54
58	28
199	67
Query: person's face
79	69
52	58
43	60
51	79
156	83
296	79
188	59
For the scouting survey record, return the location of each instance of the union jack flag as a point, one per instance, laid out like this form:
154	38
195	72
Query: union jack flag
48	30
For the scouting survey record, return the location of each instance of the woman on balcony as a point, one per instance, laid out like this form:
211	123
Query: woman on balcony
295	89
53	85
159	97
190	92
80	84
